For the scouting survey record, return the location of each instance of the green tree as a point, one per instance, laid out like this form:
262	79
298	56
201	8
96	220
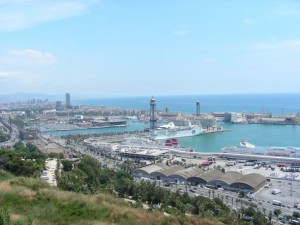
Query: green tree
56	155
73	181
19	146
270	217
250	212
3	137
67	165
259	219
226	196
277	212
296	215
31	147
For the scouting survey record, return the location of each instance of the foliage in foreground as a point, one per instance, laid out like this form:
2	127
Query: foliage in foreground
47	205
88	177
23	160
5	219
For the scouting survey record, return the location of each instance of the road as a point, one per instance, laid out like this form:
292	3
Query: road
14	136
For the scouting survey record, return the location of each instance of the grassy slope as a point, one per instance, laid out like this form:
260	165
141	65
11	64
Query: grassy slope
48	205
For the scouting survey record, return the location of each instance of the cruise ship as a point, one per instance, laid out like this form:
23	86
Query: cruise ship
170	131
250	149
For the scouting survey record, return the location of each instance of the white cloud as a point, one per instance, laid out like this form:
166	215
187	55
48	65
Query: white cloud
249	21
285	12
21	14
22	67
32	56
6	75
182	30
290	45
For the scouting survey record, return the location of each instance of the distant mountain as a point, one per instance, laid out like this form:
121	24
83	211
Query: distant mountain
20	96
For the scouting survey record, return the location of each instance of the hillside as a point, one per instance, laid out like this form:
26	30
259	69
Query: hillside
31	197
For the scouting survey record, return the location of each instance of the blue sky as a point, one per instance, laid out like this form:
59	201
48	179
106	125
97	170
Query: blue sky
160	47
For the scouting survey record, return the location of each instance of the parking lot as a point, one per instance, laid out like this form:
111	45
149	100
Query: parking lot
290	192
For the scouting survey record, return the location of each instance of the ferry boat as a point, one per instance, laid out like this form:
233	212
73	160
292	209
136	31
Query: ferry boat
171	145
247	148
170	131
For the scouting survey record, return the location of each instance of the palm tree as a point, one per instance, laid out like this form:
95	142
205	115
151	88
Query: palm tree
270	217
227	199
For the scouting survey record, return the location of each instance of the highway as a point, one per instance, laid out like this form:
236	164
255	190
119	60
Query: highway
14	136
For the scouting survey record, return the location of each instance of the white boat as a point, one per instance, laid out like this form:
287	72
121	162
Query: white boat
171	131
246	144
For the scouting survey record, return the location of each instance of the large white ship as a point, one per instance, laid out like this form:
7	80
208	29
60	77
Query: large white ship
171	131
250	149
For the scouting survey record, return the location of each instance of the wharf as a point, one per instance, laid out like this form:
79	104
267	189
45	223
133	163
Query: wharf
273	159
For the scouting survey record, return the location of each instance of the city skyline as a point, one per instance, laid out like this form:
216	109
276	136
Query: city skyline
110	48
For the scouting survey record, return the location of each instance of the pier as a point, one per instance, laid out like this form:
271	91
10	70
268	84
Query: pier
273	159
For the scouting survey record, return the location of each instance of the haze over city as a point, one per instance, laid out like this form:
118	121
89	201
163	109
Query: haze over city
130	48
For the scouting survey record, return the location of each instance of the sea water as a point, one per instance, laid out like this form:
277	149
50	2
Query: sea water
257	134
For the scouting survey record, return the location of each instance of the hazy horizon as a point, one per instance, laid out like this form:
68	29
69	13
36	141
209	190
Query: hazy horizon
61	96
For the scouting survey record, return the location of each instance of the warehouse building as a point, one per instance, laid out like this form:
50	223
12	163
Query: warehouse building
225	179
146	171
231	180
249	183
181	176
165	173
204	177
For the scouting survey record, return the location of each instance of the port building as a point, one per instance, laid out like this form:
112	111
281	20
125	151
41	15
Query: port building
165	173
148	170
225	179
204	177
183	175
250	182
231	180
142	152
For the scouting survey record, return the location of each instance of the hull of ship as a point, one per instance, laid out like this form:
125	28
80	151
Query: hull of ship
271	151
166	134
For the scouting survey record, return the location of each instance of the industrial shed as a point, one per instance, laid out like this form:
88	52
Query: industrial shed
249	183
147	170
204	177
165	173
225	180
183	175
